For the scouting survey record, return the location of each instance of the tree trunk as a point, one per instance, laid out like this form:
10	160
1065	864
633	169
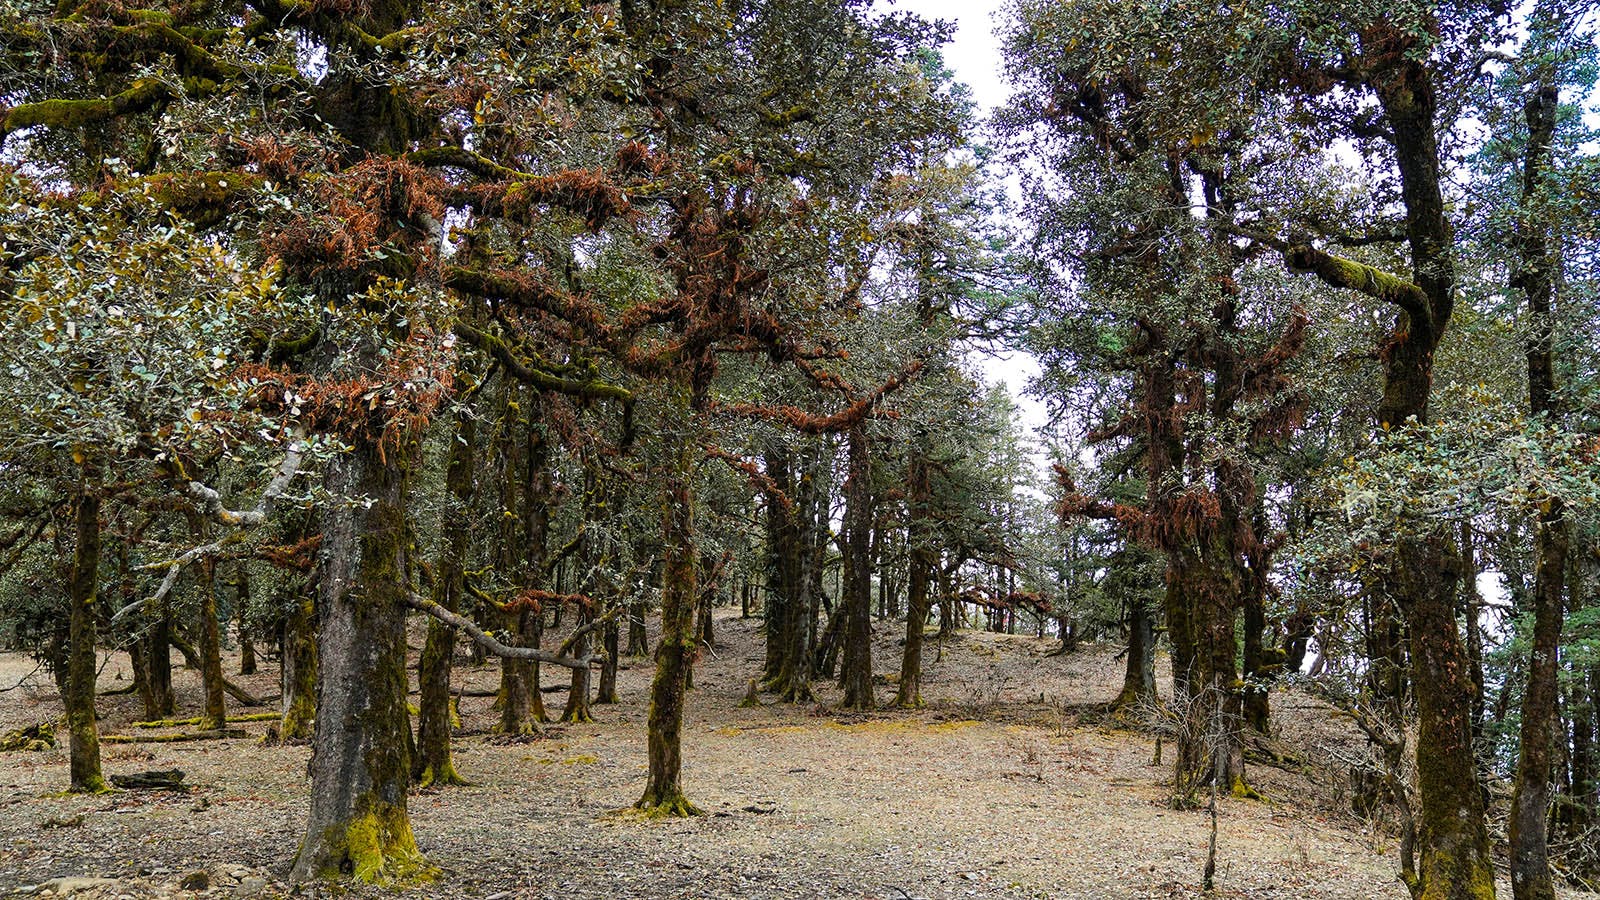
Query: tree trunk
247	644
855	674
156	690
1139	678
638	637
1209	744
788	626
214	715
434	765
1530	798
84	731
299	670
521	701
358	825
663	795
606	692
577	709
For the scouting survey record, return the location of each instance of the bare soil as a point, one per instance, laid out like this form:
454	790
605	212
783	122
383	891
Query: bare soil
1001	788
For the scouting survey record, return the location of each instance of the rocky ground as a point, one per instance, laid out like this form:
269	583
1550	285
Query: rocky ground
1002	788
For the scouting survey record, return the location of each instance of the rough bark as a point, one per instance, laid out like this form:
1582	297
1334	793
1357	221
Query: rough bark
299	670
663	794
358	825
855	674
611	638
1139	677
82	593
434	765
208	634
921	559
1530	798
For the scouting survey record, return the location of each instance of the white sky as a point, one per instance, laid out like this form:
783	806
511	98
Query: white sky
974	56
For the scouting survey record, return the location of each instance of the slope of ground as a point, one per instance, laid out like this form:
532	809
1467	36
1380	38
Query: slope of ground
994	791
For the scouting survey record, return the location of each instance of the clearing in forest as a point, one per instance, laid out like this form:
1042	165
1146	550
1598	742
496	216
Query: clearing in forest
995	790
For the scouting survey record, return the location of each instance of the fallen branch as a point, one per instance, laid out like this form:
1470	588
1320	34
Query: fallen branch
161	780
175	723
216	735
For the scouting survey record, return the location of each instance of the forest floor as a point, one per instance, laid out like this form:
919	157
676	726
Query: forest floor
1002	788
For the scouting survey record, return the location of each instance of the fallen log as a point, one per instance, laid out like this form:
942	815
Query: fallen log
216	735
157	780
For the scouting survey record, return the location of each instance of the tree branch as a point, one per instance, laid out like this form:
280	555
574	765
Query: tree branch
488	643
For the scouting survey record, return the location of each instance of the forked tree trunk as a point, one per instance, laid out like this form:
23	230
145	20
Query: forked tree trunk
78	698
358	825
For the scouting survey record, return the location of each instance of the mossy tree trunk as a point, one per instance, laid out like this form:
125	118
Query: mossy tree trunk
577	708
208	635
1209	744
920	558
358	825
433	766
855	673
663	794
82	593
247	644
788	623
1139	676
299	670
1454	841
1535	275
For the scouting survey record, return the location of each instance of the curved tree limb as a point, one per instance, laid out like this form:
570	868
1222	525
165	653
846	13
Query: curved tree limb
495	647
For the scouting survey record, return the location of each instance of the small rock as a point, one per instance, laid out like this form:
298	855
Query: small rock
249	886
198	880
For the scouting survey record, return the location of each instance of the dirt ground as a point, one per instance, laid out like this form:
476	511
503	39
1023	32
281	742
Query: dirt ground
995	790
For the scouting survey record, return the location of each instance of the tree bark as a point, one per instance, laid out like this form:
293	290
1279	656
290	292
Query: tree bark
358	825
299	670
434	765
1139	678
82	591
247	644
663	794
855	674
214	714
1530	798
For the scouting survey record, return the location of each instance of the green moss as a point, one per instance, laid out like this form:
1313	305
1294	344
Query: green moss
1240	790
444	775
650	809
380	849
